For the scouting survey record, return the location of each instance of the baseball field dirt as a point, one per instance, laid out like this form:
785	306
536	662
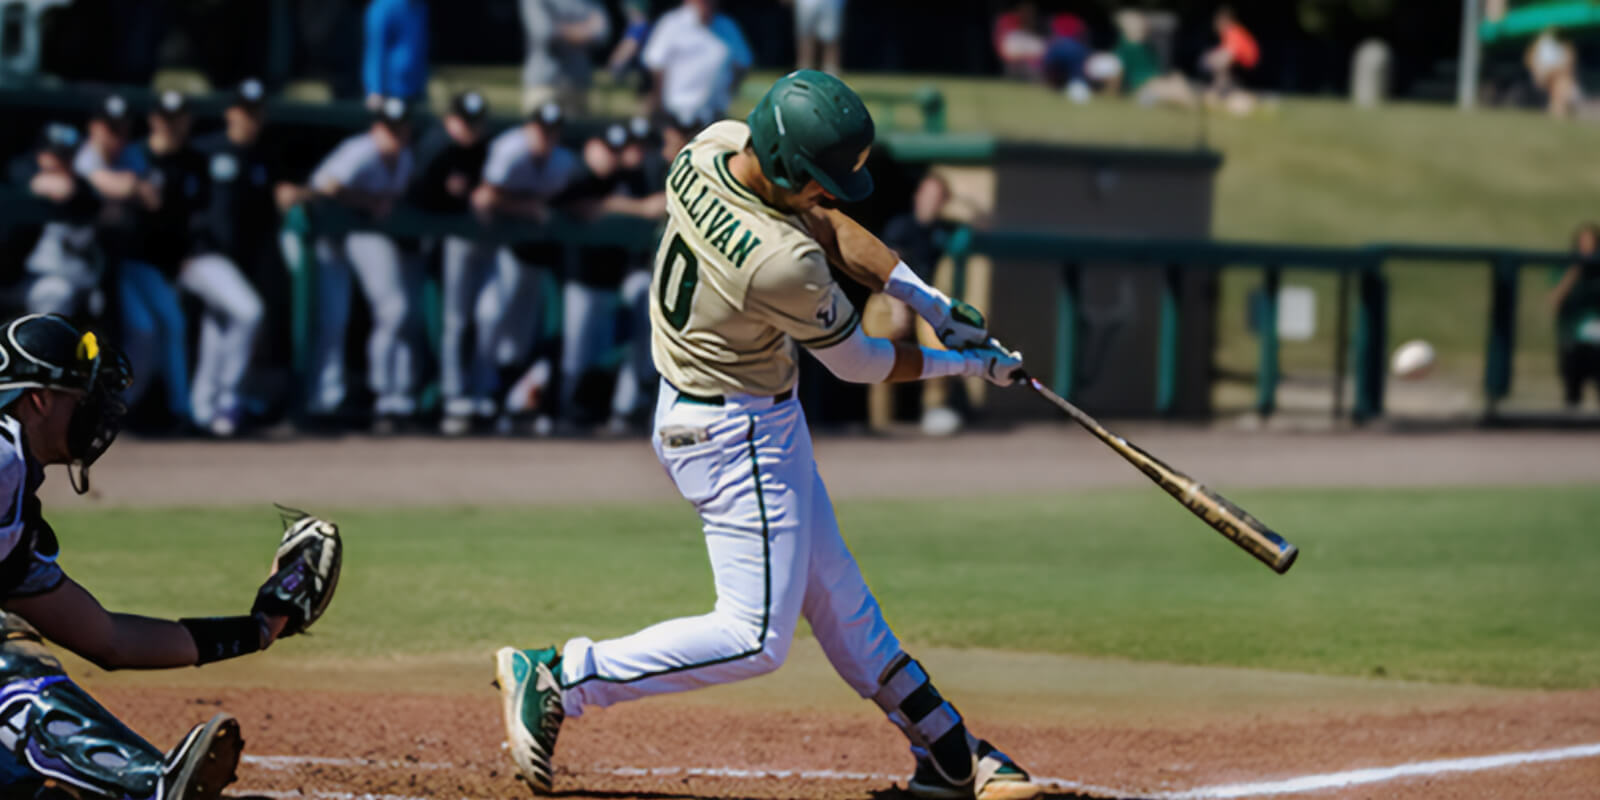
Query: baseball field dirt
428	726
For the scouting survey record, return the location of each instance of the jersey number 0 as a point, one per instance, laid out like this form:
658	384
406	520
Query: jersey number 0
682	271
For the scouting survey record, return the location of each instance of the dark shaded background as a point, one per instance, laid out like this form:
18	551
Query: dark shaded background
1306	44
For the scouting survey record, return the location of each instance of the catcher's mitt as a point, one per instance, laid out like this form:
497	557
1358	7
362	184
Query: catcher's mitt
305	571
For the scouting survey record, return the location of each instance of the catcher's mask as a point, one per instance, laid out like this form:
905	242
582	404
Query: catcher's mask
45	351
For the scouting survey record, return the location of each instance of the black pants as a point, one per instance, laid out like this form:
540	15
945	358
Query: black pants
1579	363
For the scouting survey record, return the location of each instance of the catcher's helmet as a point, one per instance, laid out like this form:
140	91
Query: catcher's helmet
45	351
811	126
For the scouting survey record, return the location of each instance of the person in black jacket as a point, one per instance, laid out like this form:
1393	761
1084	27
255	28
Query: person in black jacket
449	167
242	220
1576	300
177	240
60	260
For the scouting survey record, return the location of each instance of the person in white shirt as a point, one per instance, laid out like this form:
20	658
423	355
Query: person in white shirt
699	57
526	169
368	172
818	22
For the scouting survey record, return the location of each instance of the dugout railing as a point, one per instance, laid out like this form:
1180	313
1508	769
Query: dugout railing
1361	346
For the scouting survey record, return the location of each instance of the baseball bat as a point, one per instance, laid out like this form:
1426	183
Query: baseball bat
1228	519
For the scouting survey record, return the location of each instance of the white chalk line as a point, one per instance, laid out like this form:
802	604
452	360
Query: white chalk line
1335	780
1304	783
291	762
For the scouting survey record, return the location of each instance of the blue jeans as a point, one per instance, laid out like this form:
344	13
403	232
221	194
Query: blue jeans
1064	60
154	335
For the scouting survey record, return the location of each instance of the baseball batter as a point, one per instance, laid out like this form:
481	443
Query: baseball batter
741	279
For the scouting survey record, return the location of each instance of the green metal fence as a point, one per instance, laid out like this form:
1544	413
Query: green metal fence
1363	265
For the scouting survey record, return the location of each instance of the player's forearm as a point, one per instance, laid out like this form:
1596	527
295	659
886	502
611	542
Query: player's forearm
1569	279
148	643
853	249
649	207
70	616
530	208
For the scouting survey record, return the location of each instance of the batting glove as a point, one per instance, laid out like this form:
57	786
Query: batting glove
962	328
994	363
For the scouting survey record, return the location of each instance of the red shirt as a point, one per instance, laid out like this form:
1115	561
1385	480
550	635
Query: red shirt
1241	46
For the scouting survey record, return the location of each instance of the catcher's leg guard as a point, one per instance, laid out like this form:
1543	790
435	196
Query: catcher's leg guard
938	734
56	730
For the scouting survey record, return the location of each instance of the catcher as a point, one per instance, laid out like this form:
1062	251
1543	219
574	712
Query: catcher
60	403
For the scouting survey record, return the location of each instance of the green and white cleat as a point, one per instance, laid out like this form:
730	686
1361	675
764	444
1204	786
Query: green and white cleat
530	697
997	778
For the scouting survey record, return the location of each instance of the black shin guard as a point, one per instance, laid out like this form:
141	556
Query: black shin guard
59	731
936	730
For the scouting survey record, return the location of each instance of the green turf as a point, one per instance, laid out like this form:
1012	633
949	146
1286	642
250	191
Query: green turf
1485	586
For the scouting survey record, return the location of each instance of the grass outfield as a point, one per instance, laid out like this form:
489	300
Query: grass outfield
1481	586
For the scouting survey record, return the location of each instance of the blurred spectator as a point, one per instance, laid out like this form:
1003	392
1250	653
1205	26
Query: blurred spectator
643	188
1235	52
1139	61
613	182
626	63
1553	64
177	239
676	131
153	326
526	169
557	64
243	218
1019	43
919	237
699	58
368	173
449	167
395	59
818	22
1055	53
1067	55
1576	299
64	266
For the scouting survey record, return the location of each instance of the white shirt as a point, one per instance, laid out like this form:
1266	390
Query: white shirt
511	166
355	164
697	62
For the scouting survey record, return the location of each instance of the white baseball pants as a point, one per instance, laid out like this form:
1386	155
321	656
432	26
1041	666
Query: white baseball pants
391	281
227	334
776	553
469	299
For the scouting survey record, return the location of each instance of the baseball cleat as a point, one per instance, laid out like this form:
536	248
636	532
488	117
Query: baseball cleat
998	778
530	698
205	761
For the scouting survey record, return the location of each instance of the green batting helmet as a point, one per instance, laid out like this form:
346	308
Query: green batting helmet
810	126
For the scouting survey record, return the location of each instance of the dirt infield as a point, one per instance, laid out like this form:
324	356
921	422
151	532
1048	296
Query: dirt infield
403	730
361	471
392	746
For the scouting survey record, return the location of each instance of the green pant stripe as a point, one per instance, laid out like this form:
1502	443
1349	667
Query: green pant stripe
766	603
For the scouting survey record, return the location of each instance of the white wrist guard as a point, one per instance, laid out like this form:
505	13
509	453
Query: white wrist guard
929	303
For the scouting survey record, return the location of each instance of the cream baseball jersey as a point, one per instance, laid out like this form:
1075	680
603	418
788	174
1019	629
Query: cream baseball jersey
737	282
